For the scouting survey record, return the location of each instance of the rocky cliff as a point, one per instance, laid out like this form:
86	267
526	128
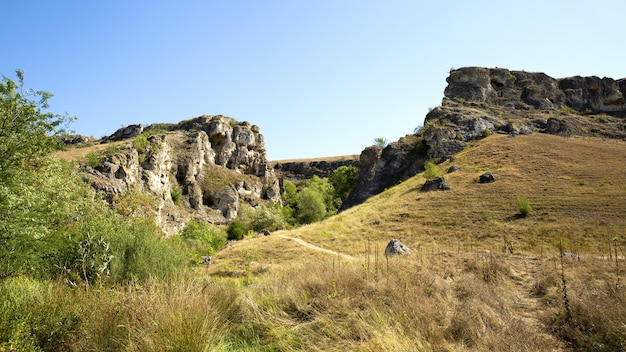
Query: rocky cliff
301	170
200	168
481	101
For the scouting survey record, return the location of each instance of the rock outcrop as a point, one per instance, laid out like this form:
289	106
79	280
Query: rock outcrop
201	168
527	90
481	101
395	247
303	170
381	168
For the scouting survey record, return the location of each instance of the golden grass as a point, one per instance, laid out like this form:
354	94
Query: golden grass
575	186
479	277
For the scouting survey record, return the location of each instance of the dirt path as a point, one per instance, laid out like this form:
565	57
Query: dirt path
528	305
316	248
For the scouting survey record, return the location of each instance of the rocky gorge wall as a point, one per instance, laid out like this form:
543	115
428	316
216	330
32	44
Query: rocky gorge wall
202	168
481	101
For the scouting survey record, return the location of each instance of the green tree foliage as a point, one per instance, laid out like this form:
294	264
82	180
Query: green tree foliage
24	126
326	191
53	225
289	194
343	179
202	238
312	207
380	142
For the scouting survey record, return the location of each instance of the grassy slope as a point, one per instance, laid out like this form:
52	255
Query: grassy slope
449	294
478	278
575	186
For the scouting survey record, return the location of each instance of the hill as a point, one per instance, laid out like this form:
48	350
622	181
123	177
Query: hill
533	261
479	276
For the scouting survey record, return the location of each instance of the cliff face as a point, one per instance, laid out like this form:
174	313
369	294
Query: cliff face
301	170
201	168
480	101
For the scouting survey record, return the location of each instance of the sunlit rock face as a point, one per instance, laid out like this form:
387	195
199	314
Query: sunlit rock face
201	168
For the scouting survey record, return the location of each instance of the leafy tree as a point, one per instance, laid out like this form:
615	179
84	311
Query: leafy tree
343	179
52	224
25	129
289	194
311	206
327	191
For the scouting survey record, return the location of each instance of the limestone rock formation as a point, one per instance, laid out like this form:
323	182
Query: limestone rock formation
306	169
479	102
395	247
380	168
201	168
526	90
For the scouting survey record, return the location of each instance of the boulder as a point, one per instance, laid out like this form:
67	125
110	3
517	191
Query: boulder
487	177
453	168
395	247
129	131
435	184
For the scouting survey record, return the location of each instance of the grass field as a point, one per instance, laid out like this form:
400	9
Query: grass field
480	277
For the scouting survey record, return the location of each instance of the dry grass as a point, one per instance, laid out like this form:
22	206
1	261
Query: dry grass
575	187
479	278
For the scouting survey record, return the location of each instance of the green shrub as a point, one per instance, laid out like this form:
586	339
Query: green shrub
201	238
311	206
236	230
94	159
37	316
431	170
343	180
523	206
176	194
380	142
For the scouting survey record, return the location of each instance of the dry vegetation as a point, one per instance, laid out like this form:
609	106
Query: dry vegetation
480	277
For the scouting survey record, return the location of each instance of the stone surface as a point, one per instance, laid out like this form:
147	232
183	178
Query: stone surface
303	170
213	162
129	131
479	102
395	247
435	184
487	177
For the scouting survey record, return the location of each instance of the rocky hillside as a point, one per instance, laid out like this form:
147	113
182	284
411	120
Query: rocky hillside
201	168
479	102
304	169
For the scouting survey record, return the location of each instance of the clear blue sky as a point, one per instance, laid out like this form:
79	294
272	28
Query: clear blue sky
320	77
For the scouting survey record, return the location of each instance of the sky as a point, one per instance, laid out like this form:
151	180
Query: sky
320	78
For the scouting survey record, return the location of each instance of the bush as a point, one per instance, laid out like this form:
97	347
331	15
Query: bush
343	179
523	206
312	207
201	238
176	194
431	170
236	230
94	159
37	315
